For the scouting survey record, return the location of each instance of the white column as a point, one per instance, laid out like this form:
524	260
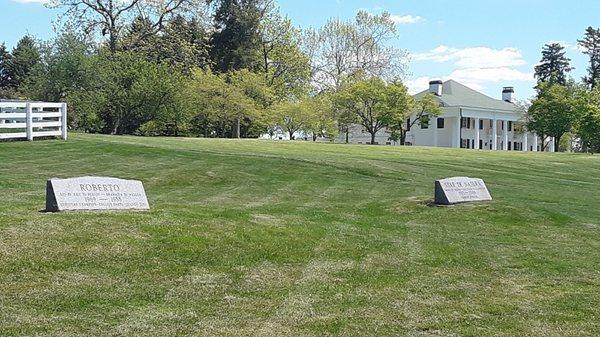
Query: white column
63	120
435	131
552	140
535	142
505	135
525	145
457	132
477	135
494	134
28	121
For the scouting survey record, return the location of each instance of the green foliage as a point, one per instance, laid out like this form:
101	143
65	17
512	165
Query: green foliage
591	47
588	126
374	104
554	65
236	41
25	57
293	116
67	66
128	92
183	42
286	67
553	113
220	105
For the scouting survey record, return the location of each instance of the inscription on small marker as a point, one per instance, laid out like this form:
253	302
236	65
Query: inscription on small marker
457	190
95	193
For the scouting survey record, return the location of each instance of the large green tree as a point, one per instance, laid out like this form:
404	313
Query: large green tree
588	125
554	66
375	103
66	67
591	47
236	40
5	59
25	57
553	112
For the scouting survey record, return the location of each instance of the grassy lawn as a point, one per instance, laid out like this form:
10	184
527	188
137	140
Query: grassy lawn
250	238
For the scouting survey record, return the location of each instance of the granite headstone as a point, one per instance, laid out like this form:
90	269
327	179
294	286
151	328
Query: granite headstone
457	190
95	193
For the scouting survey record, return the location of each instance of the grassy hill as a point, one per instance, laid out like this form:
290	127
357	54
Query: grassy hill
249	238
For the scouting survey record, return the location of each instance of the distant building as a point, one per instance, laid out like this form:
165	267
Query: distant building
469	120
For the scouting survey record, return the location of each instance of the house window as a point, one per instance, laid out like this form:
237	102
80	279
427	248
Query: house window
481	144
425	122
481	124
510	126
509	146
440	123
465	143
465	122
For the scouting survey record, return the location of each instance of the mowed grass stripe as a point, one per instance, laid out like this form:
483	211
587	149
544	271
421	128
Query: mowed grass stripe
275	238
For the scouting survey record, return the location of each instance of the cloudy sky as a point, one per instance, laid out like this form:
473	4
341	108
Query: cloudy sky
485	44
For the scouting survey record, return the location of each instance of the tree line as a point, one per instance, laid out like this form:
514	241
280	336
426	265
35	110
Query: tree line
562	105
221	68
239	68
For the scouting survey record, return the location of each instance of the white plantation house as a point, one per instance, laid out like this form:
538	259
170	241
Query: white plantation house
469	120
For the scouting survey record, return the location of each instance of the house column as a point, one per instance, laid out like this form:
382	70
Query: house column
494	134
435	131
535	142
505	135
477	136
525	145
552	141
456	141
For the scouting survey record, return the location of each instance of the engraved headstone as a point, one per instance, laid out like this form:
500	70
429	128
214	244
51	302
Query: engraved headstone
95	193
459	190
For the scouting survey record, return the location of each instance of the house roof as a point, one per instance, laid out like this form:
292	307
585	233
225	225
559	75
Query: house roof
455	94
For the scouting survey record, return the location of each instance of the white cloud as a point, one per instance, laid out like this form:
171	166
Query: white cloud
406	19
474	67
475	57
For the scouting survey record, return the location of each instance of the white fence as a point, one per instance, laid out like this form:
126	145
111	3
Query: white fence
32	119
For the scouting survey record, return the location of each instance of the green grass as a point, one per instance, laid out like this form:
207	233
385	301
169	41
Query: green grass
250	238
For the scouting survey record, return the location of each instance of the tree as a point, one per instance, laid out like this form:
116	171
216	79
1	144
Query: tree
554	65
425	108
236	40
25	56
321	122
375	103
252	86
343	51
127	93
217	104
110	17
183	42
552	112
5	60
591	47
588	126
285	66
292	116
66	66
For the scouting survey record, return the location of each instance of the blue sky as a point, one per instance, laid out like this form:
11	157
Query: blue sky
485	44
